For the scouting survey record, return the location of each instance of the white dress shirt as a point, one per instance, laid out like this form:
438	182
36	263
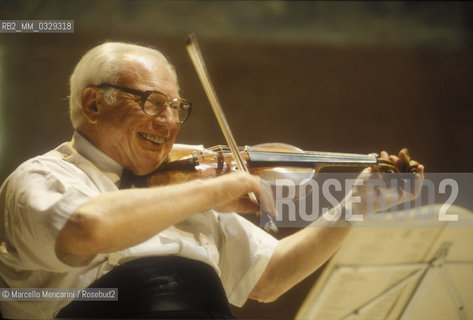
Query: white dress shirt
37	199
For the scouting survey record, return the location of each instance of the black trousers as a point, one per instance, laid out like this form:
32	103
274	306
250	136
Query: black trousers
157	288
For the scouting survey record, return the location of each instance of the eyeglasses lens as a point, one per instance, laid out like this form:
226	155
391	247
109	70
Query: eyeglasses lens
184	111
157	102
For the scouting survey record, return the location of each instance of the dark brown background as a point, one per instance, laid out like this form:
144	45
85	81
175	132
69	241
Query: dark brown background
349	77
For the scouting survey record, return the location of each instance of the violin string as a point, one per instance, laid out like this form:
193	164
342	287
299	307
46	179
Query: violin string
312	156
315	153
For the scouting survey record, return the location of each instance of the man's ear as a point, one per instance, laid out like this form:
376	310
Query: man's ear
90	108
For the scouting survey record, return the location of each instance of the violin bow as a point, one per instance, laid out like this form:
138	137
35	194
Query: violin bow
194	52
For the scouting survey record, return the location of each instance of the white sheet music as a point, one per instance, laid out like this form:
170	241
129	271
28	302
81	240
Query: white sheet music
392	273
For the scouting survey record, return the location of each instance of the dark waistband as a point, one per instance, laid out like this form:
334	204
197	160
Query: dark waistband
157	286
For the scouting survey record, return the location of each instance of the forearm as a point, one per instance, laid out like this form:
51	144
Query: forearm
299	255
117	220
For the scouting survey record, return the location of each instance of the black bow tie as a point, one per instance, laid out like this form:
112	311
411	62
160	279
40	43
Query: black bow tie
129	180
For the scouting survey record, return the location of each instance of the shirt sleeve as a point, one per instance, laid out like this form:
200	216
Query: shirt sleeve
40	196
245	253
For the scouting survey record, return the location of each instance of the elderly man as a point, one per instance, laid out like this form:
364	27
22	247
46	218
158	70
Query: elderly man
173	251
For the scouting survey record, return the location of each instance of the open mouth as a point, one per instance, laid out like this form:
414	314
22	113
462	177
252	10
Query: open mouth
153	138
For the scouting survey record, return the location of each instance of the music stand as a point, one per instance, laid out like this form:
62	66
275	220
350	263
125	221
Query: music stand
410	272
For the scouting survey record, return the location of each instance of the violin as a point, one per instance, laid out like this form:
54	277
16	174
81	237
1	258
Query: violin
270	160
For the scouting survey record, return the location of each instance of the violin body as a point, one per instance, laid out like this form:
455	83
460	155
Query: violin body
189	162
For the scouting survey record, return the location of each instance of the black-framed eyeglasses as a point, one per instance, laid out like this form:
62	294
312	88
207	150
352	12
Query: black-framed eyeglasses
154	102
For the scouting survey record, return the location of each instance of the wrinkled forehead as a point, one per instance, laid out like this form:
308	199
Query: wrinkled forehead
146	72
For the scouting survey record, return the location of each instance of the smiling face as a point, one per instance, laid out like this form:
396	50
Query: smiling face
121	129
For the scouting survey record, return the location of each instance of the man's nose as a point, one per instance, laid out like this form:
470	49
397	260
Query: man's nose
166	116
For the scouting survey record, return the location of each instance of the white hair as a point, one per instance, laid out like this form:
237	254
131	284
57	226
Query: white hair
103	64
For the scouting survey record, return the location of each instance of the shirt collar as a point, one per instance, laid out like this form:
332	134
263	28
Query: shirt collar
108	166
